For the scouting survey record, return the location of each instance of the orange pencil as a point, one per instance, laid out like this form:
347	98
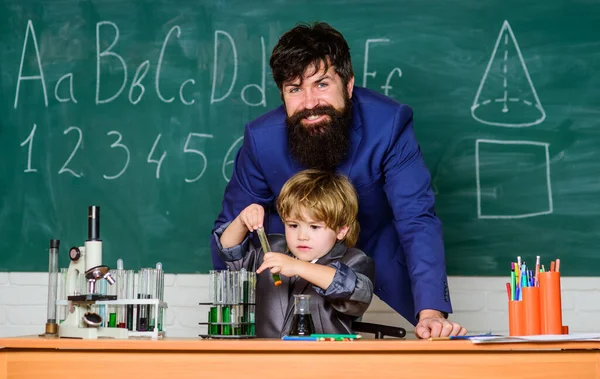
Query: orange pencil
551	266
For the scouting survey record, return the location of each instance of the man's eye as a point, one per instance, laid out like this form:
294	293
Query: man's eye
294	90
323	85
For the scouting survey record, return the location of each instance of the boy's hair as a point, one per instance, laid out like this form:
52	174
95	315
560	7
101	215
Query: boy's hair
306	45
327	197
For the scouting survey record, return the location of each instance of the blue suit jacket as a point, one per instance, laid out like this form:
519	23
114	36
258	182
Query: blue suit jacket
399	228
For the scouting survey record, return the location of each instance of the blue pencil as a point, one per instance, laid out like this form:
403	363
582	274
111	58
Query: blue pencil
299	338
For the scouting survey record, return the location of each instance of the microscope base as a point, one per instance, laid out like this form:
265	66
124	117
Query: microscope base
92	333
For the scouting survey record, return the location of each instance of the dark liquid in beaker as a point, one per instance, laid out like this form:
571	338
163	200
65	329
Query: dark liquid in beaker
302	325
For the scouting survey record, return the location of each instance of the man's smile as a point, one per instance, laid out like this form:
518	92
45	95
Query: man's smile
313	119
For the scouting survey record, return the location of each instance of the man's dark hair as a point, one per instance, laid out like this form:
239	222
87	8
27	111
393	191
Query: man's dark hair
305	45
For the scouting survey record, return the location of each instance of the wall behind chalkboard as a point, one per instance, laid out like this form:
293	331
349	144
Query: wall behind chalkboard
139	107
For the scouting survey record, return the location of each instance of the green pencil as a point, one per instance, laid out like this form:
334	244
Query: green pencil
354	336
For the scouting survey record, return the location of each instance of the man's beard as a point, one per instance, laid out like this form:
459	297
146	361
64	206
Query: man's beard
323	145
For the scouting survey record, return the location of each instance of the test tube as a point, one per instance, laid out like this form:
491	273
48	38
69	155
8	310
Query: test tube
267	249
112	308
121	294
160	290
221	288
244	300
221	299
226	310
152	294
101	288
51	325
212	286
142	309
234	291
61	311
130	291
213	279
252	302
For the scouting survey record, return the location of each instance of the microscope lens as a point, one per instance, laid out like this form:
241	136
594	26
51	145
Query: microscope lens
94	223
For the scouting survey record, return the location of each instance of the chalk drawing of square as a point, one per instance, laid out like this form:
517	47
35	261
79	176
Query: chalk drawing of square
513	179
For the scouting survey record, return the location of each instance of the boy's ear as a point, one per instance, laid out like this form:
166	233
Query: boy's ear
341	233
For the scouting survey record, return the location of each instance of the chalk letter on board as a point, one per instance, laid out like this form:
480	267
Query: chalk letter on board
187	149
386	88
181	92
29	141
365	73
162	157
137	82
214	82
118	144
261	89
39	62
104	53
227	161
71	93
160	59
64	168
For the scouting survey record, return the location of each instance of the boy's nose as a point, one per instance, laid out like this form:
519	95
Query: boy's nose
302	235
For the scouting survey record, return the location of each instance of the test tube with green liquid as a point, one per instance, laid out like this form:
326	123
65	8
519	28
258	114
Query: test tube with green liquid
251	303
244	300
112	309
226	310
267	249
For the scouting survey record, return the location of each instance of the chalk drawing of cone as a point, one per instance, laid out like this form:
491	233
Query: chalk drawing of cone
506	96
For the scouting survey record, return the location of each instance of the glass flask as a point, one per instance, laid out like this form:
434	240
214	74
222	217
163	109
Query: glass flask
302	323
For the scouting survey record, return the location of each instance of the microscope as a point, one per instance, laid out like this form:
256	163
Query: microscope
82	321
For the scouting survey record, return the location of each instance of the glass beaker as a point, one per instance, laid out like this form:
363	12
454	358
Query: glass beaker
302	323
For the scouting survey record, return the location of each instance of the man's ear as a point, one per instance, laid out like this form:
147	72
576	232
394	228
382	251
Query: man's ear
341	233
350	86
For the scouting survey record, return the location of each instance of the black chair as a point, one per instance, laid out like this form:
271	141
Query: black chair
378	330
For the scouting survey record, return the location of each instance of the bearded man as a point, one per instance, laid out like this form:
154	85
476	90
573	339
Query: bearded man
327	123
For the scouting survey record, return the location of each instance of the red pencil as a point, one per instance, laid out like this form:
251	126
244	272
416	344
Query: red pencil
508	291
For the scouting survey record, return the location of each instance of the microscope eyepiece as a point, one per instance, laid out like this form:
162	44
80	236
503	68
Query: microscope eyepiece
94	223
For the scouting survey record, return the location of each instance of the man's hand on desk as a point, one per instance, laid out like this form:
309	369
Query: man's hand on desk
433	324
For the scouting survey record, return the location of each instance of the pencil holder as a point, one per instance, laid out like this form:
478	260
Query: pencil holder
232	302
516	318
531	298
550	303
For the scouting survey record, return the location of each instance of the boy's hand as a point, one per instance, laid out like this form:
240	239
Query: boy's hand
251	217
281	264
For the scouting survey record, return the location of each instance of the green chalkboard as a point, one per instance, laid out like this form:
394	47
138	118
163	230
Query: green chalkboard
139	107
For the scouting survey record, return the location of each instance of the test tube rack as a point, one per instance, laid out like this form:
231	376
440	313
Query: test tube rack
235	328
232	305
157	307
